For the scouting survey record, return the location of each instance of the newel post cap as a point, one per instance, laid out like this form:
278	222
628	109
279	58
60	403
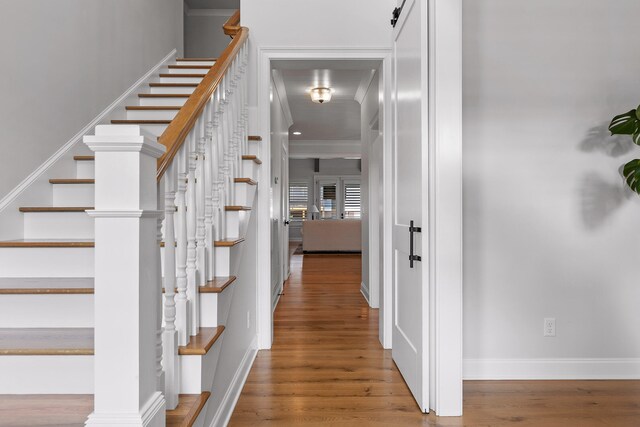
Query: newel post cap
122	138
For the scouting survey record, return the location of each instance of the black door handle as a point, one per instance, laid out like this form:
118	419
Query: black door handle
413	257
286	222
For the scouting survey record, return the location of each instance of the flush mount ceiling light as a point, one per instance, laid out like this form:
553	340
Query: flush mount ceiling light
320	95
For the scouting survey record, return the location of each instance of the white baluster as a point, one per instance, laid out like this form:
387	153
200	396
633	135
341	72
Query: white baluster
192	286
170	359
201	251
208	191
182	302
219	195
159	370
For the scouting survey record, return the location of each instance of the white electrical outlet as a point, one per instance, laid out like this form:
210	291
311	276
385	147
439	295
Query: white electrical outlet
249	319
550	327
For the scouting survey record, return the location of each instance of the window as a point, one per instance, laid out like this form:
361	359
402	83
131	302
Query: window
328	201
351	200
298	200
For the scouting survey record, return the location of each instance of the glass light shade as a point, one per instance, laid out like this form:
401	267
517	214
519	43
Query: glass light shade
320	95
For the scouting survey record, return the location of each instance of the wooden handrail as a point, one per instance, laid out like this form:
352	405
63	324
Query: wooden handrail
175	134
232	26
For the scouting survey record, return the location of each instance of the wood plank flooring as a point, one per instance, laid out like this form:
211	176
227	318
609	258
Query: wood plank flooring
327	368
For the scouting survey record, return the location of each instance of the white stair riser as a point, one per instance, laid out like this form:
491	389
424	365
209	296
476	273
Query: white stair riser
46	262
155	130
46	311
46	374
209	310
151	114
73	194
165	102
244	194
187	70
250	169
197	372
209	63
58	225
163	89
180	79
85	169
237	223
223	261
254	148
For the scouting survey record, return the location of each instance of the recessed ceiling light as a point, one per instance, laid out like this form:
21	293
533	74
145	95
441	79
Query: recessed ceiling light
297	133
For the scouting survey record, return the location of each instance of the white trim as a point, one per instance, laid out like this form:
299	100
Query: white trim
325	149
265	54
552	369
365	292
281	92
20	188
363	88
152	413
185	8
232	394
209	12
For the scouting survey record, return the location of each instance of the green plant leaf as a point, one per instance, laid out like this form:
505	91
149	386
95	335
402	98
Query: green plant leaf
631	172
638	113
636	138
625	124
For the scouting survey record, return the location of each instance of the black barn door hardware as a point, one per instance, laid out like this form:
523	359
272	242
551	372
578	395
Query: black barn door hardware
413	257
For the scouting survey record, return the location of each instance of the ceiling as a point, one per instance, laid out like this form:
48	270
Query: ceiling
213	4
340	118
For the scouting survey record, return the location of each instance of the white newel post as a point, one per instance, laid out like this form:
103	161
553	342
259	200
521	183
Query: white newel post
127	285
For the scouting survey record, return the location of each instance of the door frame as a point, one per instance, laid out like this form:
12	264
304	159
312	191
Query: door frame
445	188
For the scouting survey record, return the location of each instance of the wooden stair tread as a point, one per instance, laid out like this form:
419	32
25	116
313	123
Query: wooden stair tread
47	243
179	75
228	242
163	95
140	122
188	409
151	108
45	285
252	157
245	181
217	285
255	138
46	341
193	67
83	158
54	209
196	59
237	208
200	344
173	84
71	181
72	410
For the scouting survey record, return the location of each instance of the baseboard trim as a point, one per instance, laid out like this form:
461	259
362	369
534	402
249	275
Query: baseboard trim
551	369
231	396
88	129
365	292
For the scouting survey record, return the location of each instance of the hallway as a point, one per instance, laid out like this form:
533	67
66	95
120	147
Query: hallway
326	365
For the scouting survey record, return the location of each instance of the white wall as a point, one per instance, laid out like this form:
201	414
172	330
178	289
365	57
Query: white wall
548	228
371	166
66	61
204	36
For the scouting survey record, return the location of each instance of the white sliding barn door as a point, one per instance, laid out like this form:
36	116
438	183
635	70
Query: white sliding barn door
410	166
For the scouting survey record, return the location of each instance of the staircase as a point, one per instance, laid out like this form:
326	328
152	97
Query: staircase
77	317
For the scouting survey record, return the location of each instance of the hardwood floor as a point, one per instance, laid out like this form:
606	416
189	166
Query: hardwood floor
327	368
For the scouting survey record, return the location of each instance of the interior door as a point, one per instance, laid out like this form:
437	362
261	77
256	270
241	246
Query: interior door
284	205
328	198
410	290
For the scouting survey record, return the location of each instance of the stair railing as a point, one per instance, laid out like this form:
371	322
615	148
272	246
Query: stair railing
159	209
205	143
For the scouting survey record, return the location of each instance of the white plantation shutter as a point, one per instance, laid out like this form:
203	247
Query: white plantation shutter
298	200
351	200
